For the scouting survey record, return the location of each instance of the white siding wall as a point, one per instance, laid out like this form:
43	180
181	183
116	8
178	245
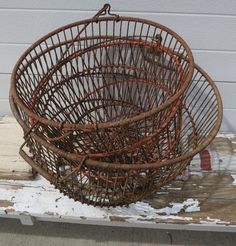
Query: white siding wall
209	27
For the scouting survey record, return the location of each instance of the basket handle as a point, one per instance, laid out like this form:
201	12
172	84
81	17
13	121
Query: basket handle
27	158
26	135
50	139
105	10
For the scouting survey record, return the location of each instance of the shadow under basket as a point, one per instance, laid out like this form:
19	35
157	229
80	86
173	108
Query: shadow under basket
112	181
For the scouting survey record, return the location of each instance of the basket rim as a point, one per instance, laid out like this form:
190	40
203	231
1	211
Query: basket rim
106	165
93	126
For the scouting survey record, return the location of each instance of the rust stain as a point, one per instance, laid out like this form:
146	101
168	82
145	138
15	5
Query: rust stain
118	218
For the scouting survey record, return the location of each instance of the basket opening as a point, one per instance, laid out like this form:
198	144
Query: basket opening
108	82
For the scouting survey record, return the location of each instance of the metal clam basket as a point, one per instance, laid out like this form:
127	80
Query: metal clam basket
112	108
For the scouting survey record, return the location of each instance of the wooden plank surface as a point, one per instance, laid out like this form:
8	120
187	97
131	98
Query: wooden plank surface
198	197
12	166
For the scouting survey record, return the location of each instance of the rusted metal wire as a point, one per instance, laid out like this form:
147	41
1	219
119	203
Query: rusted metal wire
92	83
108	182
112	108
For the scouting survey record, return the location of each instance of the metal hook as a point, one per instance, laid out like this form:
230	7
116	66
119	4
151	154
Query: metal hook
105	10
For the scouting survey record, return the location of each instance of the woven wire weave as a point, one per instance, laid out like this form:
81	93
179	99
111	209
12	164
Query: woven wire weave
112	108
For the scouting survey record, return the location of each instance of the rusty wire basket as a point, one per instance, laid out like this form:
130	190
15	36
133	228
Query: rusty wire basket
106	182
112	108
109	86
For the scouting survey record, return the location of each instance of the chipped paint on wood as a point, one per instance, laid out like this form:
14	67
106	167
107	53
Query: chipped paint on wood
207	197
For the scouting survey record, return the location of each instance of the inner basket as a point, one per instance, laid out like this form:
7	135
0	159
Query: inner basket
105	181
104	86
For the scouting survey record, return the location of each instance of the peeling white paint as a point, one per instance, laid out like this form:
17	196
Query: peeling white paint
190	205
208	220
143	212
234	179
174	188
40	197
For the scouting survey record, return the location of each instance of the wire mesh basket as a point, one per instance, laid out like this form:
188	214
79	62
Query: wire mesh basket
109	86
104	181
112	108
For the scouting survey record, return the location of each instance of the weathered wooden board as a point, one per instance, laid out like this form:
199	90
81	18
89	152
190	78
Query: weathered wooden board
12	166
206	199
